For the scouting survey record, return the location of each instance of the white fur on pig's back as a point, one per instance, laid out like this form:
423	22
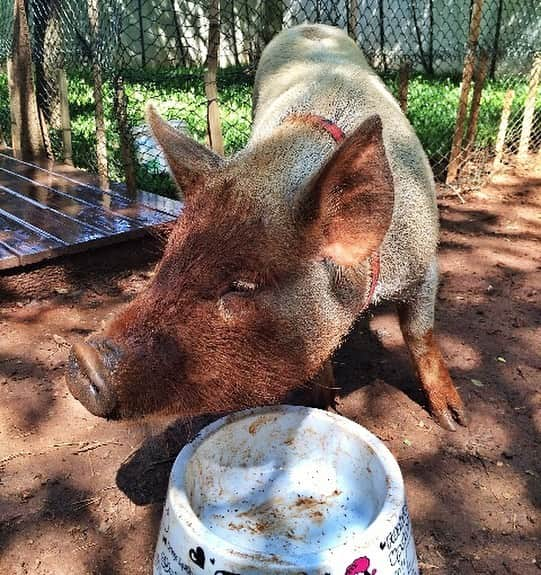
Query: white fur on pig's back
317	69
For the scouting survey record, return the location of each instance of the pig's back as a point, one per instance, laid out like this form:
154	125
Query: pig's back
318	69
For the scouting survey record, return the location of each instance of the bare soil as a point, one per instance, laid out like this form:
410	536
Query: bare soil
79	495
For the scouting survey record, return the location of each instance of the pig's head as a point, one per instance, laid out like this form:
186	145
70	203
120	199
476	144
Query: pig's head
263	274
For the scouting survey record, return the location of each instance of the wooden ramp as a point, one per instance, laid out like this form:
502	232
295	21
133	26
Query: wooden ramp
46	212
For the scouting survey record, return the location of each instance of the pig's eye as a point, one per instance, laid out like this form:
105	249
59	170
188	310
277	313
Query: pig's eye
235	302
240	286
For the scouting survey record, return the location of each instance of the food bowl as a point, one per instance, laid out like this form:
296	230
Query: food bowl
289	490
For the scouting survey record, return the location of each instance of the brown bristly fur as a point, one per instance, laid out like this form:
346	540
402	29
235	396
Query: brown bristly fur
268	267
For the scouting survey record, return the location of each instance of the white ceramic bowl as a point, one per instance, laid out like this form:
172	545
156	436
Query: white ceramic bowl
289	490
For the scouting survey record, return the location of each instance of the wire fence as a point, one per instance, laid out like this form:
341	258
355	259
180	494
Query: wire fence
466	73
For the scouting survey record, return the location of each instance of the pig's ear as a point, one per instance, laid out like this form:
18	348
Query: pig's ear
189	161
346	209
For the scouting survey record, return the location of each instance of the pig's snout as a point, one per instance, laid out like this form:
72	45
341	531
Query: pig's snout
89	375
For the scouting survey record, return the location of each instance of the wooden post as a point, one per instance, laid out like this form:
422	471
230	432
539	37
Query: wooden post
479	80
502	130
141	33
403	85
26	129
467	73
15	130
101	138
126	138
65	122
353	18
381	14
529	109
211	87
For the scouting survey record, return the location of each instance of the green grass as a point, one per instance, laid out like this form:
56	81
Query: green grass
179	95
432	108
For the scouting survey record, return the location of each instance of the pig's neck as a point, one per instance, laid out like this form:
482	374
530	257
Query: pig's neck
338	297
352	287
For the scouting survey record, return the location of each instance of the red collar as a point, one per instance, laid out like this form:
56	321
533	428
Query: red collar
338	135
374	276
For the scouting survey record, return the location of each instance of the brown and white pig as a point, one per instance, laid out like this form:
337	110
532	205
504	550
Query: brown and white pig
329	208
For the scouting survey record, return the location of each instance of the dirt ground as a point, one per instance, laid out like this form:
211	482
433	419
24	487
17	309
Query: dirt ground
80	495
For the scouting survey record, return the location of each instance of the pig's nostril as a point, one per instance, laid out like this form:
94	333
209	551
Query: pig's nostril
88	378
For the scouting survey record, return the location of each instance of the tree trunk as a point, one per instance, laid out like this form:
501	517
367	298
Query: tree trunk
211	87
382	34
126	138
479	81
467	74
496	45
353	18
141	33
430	37
26	129
65	117
101	138
46	92
403	85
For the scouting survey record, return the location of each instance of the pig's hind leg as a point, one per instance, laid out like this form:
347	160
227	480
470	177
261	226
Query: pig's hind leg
417	322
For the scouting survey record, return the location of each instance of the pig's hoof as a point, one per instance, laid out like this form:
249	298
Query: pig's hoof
448	418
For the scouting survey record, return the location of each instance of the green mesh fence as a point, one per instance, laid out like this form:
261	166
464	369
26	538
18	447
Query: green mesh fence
158	49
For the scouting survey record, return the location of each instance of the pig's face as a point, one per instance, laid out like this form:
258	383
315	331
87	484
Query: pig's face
253	292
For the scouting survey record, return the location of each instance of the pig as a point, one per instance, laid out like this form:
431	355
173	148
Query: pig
328	210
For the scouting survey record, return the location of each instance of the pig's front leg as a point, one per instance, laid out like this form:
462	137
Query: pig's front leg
324	387
417	322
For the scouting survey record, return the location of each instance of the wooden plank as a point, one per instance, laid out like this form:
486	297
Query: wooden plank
85	212
154	201
24	243
45	220
7	258
44	214
111	201
32	247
